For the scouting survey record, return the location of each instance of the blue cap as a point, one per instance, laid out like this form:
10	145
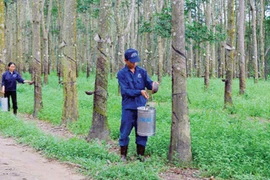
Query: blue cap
132	55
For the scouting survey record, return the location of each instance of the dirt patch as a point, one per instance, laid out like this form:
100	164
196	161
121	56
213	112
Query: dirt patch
182	174
47	127
18	162
259	119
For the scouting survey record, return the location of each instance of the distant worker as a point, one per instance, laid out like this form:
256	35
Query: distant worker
133	80
9	85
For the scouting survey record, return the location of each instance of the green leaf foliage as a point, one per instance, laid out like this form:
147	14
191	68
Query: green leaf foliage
163	24
84	5
197	31
200	33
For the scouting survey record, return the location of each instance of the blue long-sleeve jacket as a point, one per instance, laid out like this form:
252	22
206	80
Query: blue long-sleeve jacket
131	86
9	80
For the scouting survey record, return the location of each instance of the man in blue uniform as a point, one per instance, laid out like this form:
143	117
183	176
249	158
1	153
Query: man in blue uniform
132	80
9	85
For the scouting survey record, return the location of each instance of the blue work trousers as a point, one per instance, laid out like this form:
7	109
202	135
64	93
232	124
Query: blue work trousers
129	120
13	96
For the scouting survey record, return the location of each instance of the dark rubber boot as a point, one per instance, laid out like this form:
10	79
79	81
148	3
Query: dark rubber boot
15	112
140	152
123	152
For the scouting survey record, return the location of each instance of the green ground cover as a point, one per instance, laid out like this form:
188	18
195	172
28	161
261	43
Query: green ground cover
228	144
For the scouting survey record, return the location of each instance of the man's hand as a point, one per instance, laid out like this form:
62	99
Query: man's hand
31	82
155	87
145	94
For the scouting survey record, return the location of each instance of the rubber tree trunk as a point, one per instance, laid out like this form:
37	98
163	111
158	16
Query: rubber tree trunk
254	41
262	42
2	32
180	143
68	45
160	47
100	129
36	57
190	70
241	45
229	55
19	56
207	55
45	29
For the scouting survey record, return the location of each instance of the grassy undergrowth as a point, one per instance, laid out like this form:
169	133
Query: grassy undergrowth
228	144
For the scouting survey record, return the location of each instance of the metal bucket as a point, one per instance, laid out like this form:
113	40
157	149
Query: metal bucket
146	121
4	104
